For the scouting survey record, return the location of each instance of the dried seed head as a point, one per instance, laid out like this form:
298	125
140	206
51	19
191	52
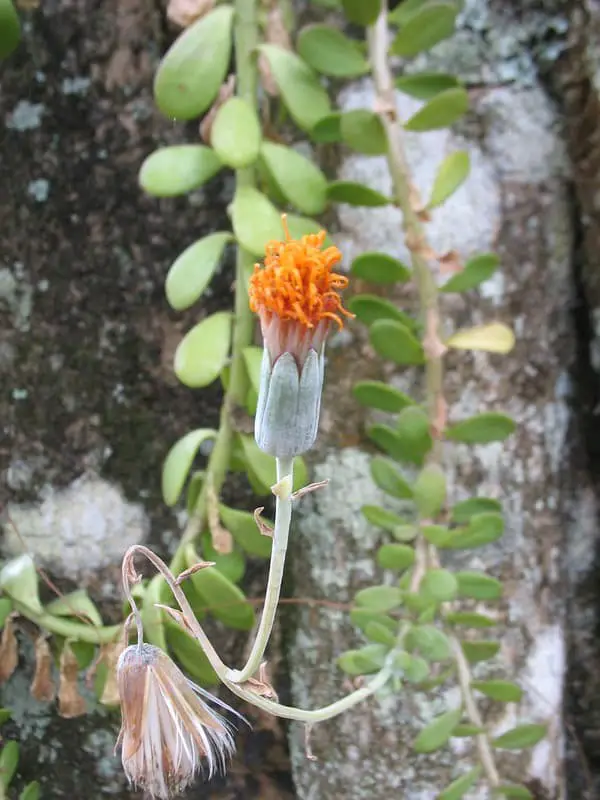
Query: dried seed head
167	728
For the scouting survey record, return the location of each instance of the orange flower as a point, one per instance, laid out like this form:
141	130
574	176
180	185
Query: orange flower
296	295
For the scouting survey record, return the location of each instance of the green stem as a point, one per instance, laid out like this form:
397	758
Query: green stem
378	42
63	626
281	531
246	38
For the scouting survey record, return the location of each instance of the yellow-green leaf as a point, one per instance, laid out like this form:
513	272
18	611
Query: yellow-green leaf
9	760
391	339
429	490
424	29
482	428
193	69
191	272
153	618
452	173
171	171
436	734
440	112
478	586
362	12
255	220
369	308
376	394
178	462
493	338
19	580
189	654
331	53
425	85
389	480
328	129
520	737
380	268
10	28
301	91
356	194
204	350
458	788
235	134
363	131
379	598
504	691
242	526
300	181
75	604
477	270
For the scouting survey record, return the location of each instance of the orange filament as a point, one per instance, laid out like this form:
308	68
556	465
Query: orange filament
297	282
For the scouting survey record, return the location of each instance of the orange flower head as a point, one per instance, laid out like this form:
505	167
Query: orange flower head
296	294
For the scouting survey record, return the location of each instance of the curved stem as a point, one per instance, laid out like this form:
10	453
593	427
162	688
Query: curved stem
283	518
63	626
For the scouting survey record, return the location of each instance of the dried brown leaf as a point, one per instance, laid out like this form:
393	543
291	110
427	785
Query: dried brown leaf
70	703
9	657
109	655
263	527
42	685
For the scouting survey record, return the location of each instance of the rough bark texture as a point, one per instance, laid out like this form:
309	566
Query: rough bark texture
518	202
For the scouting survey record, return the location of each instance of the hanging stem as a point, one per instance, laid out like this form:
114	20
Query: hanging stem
283	518
416	241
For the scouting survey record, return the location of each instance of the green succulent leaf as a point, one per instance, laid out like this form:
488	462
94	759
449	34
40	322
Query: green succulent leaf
19	580
376	394
440	112
405	533
31	792
331	53
75	604
382	518
435	735
204	350
476	271
476	651
520	737
440	585
424	29
425	85
192	71
255	220
192	271
512	790
504	691
460	786
235	134
413	432
380	634
300	89
232	565
179	461
9	760
463	511
482	429
189	654
300	226
430	641
469	619
252	356
429	491
478	586
262	467
414	668
369	308
380	268
153	618
10	28
328	129
395	556
299	180
363	617
405	10
483	529
242	526
466	729
389	480
365	661
379	598
356	194
362	12
363	132
178	169
452	173
393	340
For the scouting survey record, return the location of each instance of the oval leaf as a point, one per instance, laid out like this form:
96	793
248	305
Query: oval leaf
178	463
453	172
204	350
9	760
440	112
482	429
329	52
425	85
255	220
376	394
476	271
389	479
424	29
192	71
438	732
189	654
235	134
431	642
302	94
362	12
242	526
19	580
391	339
513	791
504	691
190	274
476	651
153	618
492	338
379	598
171	171
356	194
10	28
460	786
75	604
482	529
478	586
368	308
382	518
463	511
299	180
232	564
440	585
380	268
429	491
395	556
328	129
363	131
520	737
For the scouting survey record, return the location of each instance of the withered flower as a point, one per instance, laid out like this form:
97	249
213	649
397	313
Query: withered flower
168	730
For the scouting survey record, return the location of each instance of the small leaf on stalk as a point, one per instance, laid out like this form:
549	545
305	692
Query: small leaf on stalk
300	226
424	29
262	466
382	518
425	85
504	691
232	565
452	173
395	556
414	668
478	586
329	52
31	792
439	584
493	338
363	131
463	511
369	308
328	129
438	732
362	617
19	580
10	28
178	462
476	651
437	535
204	350
362	12
243	528
513	791
9	760
466	729
379	598
476	271
482	429
75	604
178	169
440	112
235	134
431	642
483	529
255	220
376	394
404	11
458	788
191	272
301	91
193	69
356	194
470	619
153	618
300	181
380	634
380	268
413	431
393	340
389	480
429	491
189	654
520	737
365	661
